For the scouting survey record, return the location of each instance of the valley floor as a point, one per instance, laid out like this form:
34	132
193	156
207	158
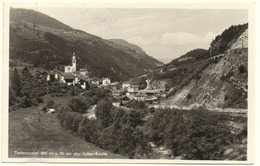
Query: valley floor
35	134
30	130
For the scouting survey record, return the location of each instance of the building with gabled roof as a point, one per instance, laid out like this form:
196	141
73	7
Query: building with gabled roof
69	79
73	67
106	81
126	84
18	68
133	89
83	72
95	81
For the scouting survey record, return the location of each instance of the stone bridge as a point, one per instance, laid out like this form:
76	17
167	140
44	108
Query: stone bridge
215	57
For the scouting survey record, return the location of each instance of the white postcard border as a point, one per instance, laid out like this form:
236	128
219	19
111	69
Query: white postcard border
251	67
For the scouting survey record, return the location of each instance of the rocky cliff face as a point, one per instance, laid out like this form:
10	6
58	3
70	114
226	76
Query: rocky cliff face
222	84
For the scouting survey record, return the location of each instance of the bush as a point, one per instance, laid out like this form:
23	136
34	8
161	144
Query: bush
198	77
78	105
227	76
242	69
234	99
50	104
15	83
195	134
136	104
26	102
135	118
114	129
34	103
221	43
44	109
13	108
189	96
90	130
103	112
63	91
107	139
152	110
39	99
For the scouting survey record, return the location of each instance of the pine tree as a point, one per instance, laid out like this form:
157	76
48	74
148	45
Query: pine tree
15	83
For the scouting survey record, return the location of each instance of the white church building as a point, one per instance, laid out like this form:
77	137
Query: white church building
73	77
71	69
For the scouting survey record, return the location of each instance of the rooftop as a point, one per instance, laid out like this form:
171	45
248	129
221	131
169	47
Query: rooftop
69	77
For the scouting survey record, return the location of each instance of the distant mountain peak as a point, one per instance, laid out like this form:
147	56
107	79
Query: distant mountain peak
38	18
127	44
135	51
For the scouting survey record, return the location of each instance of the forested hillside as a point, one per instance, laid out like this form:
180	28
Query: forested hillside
215	78
136	51
40	40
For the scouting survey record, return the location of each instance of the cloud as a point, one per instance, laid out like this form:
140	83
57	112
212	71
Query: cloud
172	44
174	39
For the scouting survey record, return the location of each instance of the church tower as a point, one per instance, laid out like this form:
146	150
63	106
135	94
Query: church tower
74	62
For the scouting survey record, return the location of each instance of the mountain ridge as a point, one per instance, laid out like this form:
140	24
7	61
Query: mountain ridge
31	38
29	15
215	78
136	52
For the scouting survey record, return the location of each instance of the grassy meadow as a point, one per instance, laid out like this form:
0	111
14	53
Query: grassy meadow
31	130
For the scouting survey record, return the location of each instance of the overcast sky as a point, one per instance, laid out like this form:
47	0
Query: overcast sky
162	33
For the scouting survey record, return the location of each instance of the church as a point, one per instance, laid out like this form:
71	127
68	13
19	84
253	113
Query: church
73	68
71	76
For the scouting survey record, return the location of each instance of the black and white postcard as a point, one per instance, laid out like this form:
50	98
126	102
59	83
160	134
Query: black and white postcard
128	82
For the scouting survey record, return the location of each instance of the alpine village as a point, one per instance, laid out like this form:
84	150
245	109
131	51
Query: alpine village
76	95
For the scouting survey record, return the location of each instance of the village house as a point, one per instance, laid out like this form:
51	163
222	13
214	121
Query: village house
151	100
37	74
50	76
151	92
69	79
115	86
83	72
70	76
54	75
125	85
116	93
139	97
116	102
133	89
125	100
95	82
44	75
83	83
18	69
26	71
12	70
106	81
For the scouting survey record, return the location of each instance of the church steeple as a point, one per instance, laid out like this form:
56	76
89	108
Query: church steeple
74	61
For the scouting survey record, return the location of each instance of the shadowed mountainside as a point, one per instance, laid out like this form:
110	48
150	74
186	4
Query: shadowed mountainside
40	40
